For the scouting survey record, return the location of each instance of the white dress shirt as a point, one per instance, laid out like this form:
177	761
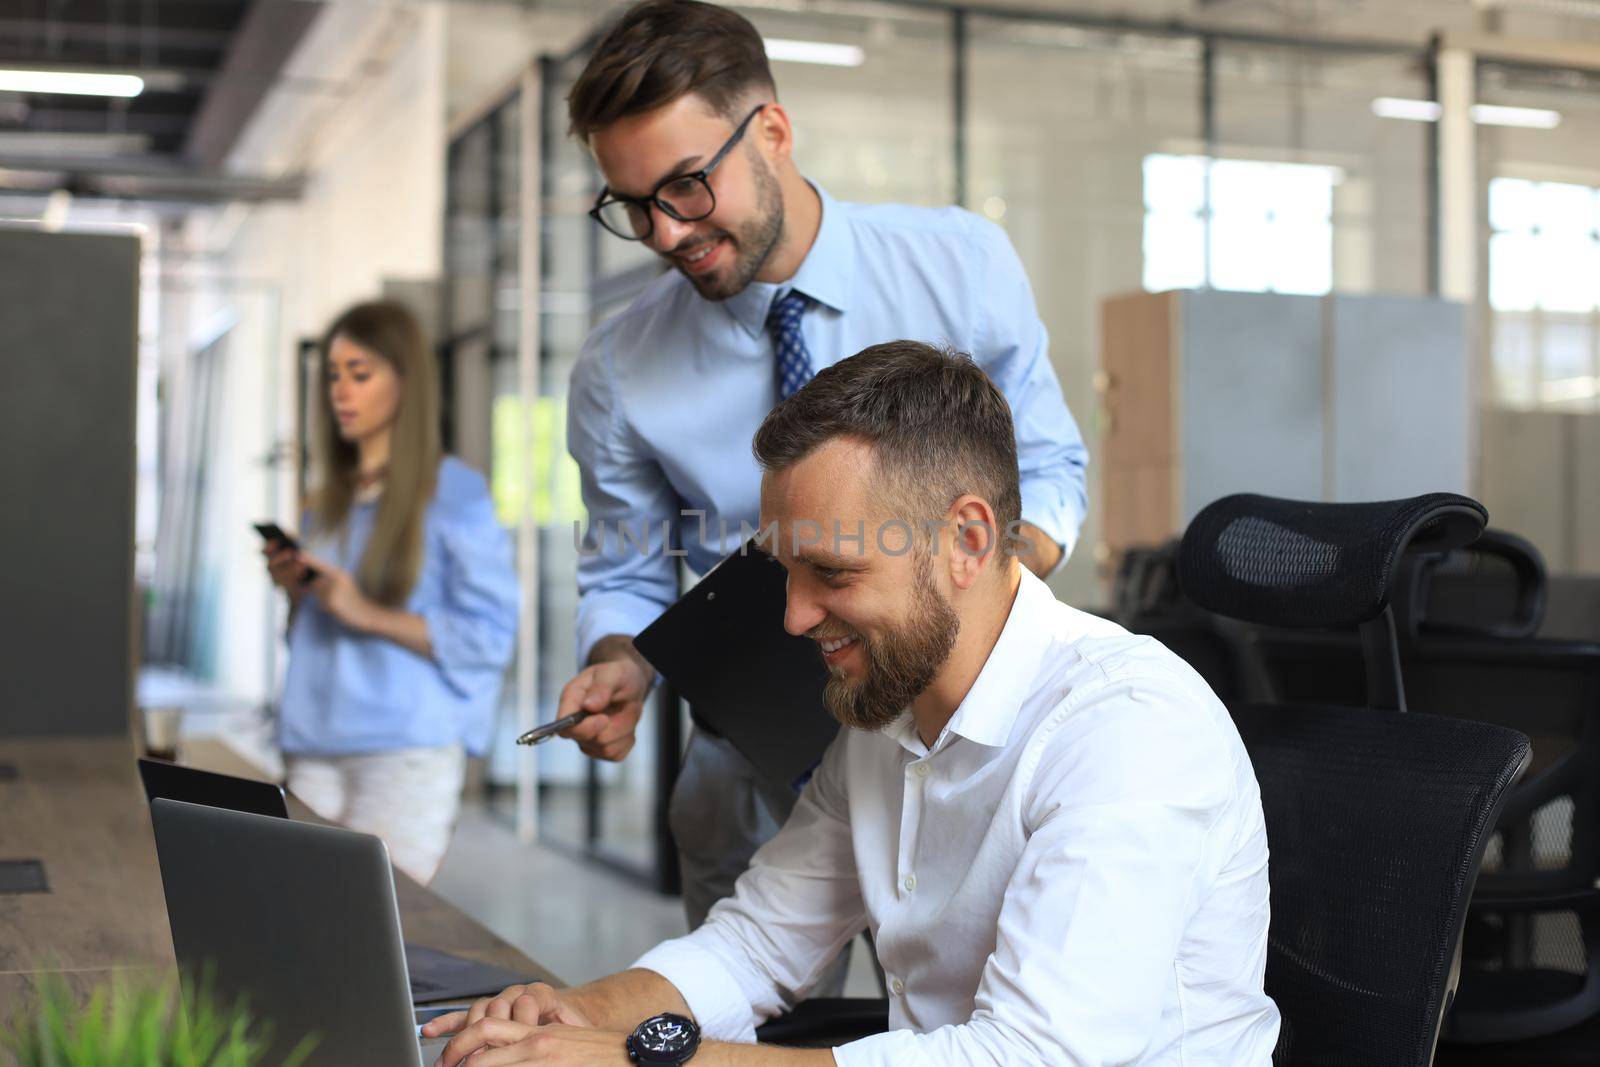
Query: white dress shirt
1075	873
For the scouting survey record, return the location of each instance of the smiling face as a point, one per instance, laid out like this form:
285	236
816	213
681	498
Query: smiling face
363	390
883	623
722	253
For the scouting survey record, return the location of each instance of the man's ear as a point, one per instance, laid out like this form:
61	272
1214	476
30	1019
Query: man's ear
975	540
774	132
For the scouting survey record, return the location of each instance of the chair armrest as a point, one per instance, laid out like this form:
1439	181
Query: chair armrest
826	1021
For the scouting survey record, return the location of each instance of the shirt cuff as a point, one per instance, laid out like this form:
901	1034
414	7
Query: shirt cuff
1060	522
719	1006
609	614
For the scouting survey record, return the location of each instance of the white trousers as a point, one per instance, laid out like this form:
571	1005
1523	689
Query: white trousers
409	797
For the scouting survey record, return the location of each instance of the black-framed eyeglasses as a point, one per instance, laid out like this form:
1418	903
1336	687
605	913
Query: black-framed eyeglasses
685	197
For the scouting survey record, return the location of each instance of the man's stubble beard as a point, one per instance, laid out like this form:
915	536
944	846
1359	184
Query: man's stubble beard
901	665
753	243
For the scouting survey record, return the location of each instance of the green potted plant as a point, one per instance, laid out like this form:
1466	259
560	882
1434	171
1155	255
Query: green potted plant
134	1024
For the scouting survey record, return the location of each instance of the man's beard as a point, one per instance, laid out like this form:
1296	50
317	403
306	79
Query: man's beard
900	665
752	244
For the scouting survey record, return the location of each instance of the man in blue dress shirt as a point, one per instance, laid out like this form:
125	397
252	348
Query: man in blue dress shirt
772	280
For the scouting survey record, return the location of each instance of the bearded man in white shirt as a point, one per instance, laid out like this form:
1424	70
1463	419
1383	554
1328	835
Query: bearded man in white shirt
1049	825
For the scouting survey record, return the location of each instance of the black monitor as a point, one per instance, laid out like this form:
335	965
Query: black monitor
193	786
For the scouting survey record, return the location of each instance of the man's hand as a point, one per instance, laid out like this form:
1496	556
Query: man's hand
504	1043
535	1004
613	688
1037	550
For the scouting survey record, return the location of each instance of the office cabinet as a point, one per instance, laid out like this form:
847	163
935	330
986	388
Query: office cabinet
1207	393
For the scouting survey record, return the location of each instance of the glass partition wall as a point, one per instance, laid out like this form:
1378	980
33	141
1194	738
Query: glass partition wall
1115	156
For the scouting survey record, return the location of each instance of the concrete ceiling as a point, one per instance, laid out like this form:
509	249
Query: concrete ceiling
207	64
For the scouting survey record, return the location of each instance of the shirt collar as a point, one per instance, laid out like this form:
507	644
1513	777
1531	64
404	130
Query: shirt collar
825	275
990	709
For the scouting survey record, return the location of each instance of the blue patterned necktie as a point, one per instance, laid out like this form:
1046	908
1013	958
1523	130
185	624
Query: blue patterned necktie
783	323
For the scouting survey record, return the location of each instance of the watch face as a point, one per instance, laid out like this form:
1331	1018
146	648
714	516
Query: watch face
666	1035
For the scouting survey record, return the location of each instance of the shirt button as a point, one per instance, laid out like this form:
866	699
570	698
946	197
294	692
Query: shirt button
898	986
911	882
922	770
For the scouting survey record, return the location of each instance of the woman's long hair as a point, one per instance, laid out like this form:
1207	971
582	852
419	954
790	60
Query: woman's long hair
393	556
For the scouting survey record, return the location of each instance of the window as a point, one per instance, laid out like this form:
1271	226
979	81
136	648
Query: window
1544	289
1271	225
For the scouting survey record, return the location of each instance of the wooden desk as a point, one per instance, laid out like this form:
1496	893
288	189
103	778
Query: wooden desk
76	804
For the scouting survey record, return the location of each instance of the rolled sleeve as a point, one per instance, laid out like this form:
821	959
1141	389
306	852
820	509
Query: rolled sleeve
720	1005
624	582
473	628
1013	347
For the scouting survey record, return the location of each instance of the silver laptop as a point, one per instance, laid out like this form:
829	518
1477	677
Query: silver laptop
299	919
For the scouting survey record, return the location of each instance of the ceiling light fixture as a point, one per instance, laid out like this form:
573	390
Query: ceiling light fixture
1394	107
829	55
74	83
1529	118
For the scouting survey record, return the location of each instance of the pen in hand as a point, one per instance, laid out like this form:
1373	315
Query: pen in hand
544	733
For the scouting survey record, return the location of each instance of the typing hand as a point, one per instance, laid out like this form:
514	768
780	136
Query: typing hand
535	1004
614	690
520	1007
502	1043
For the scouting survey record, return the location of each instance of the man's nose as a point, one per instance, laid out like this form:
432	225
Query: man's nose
801	612
668	232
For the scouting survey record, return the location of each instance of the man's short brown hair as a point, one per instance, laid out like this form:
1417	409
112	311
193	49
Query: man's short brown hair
938	427
660	50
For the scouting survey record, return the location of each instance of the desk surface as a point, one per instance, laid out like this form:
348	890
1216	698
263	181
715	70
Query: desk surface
76	804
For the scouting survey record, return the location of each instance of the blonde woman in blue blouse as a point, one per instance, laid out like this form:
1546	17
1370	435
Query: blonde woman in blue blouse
404	601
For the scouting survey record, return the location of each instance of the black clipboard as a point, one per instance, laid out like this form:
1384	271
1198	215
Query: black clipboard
724	648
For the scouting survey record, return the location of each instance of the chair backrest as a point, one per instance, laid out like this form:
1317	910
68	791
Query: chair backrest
1531	952
1377	824
1306	565
1494	587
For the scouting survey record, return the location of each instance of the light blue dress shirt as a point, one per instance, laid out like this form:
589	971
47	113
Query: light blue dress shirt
668	394
347	693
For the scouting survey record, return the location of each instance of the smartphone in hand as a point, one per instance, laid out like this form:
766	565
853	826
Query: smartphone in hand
273	534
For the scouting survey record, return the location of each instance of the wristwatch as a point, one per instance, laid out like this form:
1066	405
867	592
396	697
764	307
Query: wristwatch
664	1040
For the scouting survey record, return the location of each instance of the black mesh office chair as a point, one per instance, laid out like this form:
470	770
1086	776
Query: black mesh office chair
1377	821
1494	587
1531	955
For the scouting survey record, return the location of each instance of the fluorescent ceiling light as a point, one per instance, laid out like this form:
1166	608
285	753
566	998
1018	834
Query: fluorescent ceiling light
1532	118
49	143
1394	107
829	55
74	83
